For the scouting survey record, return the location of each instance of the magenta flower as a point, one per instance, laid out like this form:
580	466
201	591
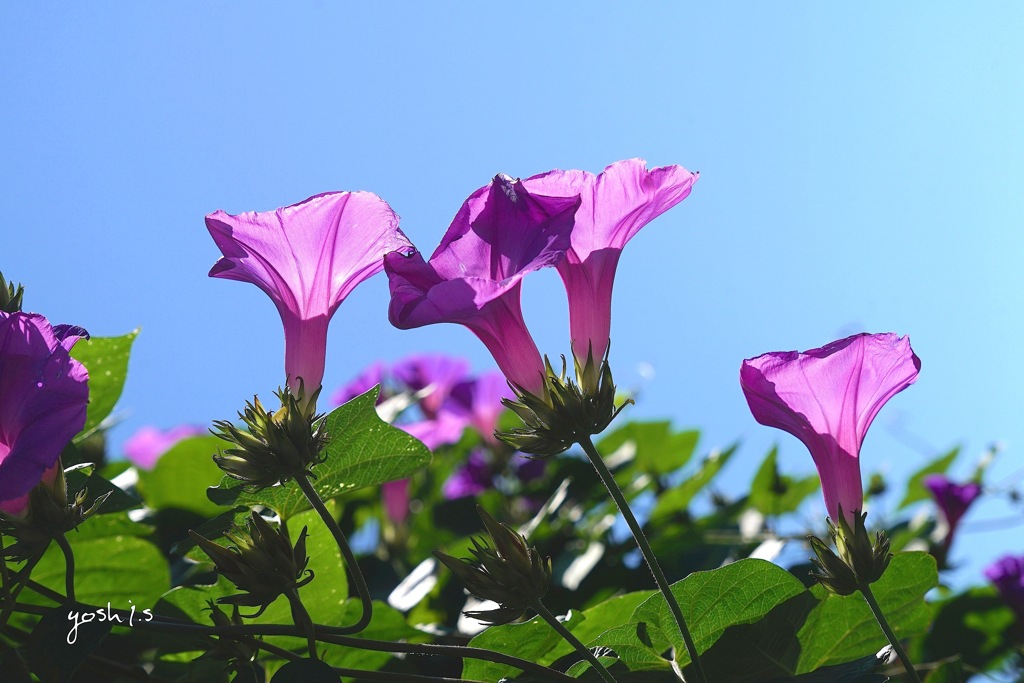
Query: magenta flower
827	398
615	205
43	397
145	446
501	233
307	258
437	371
367	379
479	400
1007	574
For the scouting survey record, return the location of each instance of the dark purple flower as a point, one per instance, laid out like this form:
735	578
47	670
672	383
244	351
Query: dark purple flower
953	499
474	477
438	372
474	277
307	257
43	397
1007	574
615	205
368	379
828	398
395	497
145	446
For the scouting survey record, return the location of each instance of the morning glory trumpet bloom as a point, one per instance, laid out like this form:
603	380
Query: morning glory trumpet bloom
502	233
307	258
43	397
828	398
614	206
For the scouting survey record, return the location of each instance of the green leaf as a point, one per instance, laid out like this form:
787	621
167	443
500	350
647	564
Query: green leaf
106	359
58	644
181	476
915	486
948	672
680	497
538	642
842	628
711	601
775	494
121	570
975	626
531	640
362	450
86	477
659	449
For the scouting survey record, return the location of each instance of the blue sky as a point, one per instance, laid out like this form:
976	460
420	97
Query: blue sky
860	171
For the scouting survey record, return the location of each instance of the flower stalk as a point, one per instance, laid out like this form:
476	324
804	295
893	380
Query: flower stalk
645	549
362	590
869	598
567	635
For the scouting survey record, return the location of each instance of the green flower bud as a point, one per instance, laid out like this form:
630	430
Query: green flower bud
47	516
11	298
263	563
859	562
567	411
511	573
275	446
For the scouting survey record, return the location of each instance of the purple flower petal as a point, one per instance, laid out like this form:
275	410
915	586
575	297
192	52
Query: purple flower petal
43	397
368	379
1007	574
471	479
953	499
148	443
437	371
827	398
501	234
395	497
446	429
615	205
479	400
307	257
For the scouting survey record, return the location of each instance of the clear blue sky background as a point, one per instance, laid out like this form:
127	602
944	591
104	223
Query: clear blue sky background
861	170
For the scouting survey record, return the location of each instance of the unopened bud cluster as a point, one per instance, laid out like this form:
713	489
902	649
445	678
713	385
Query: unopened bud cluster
859	562
48	515
275	447
263	563
568	410
511	573
11	297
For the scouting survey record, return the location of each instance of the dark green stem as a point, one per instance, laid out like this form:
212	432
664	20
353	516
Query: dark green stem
20	580
554	623
328	634
350	559
869	597
645	549
69	567
302	620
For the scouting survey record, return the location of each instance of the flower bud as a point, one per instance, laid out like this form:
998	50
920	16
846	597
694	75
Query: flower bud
567	411
263	564
860	562
511	573
10	296
47	515
277	446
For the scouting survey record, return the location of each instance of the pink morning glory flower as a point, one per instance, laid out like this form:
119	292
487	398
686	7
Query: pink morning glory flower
372	376
148	443
43	398
615	205
828	398
474	277
307	257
